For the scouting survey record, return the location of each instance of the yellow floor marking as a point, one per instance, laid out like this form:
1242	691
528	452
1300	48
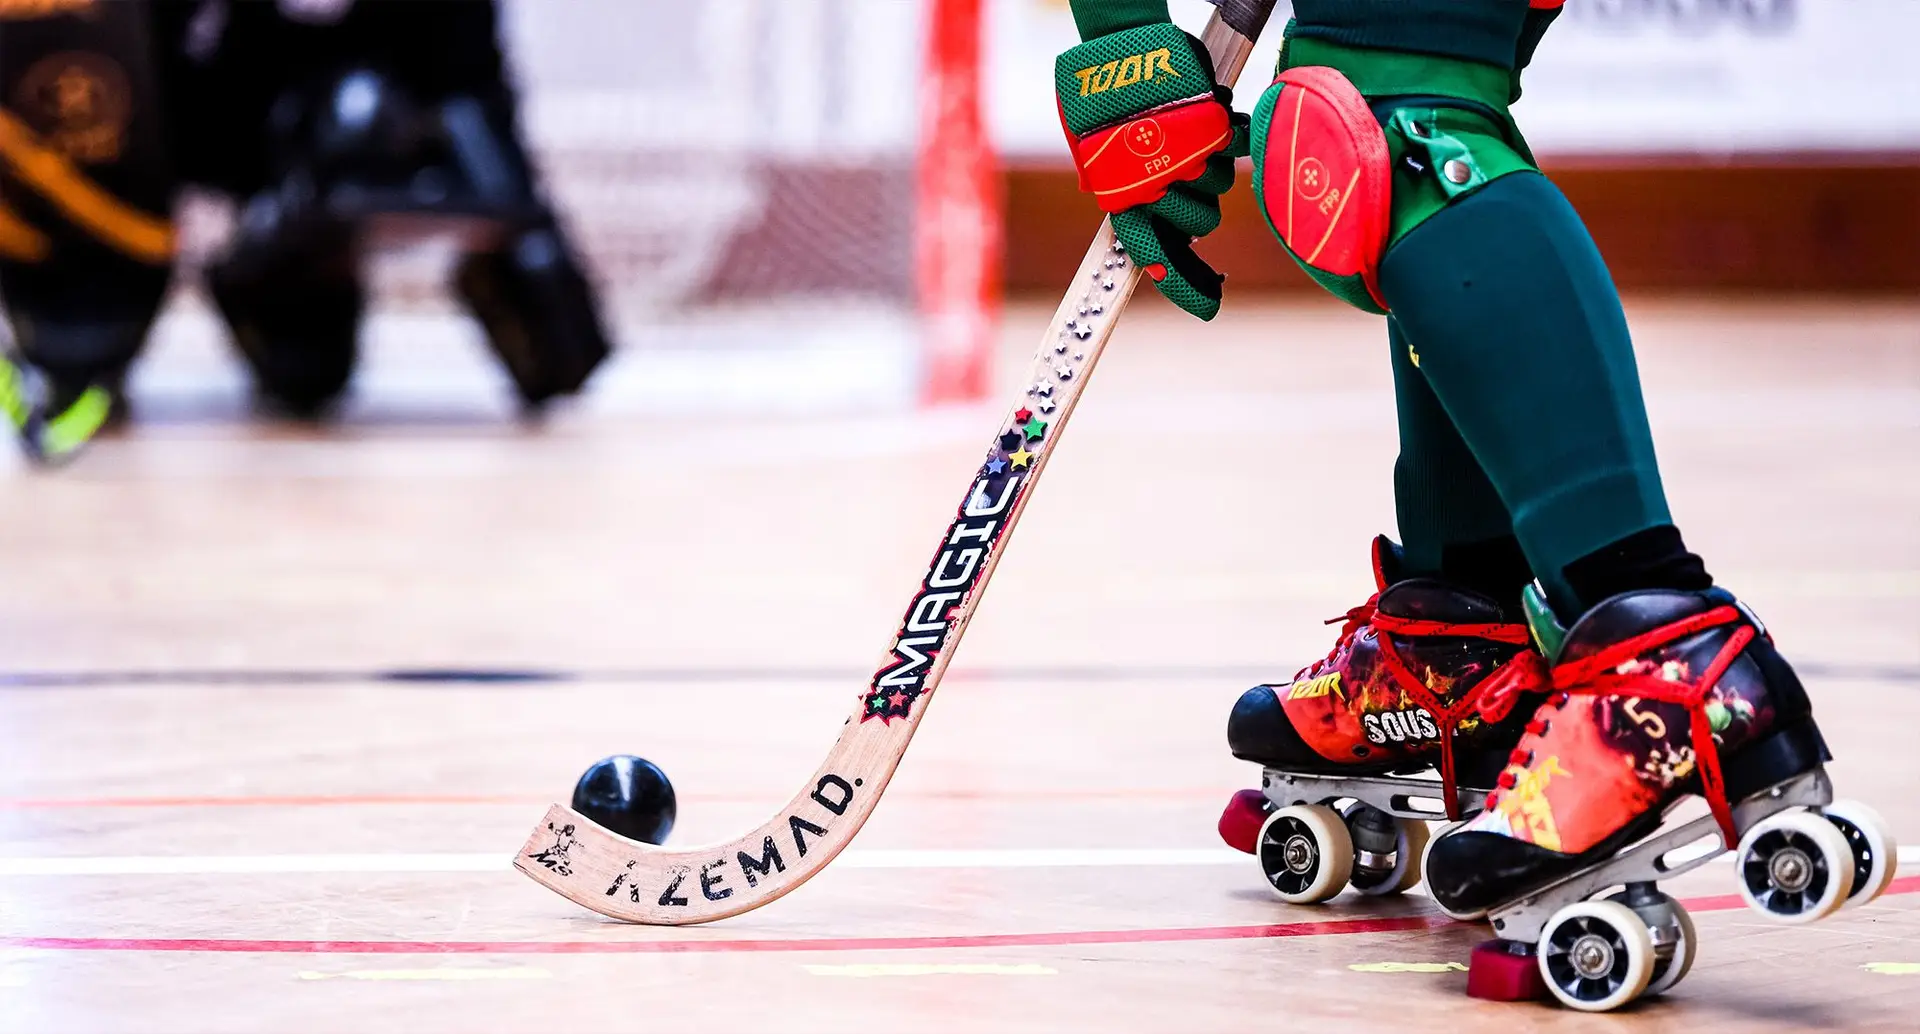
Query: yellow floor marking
1409	967
927	969
442	973
1893	969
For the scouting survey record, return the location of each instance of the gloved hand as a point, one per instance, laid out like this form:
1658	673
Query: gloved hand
1154	139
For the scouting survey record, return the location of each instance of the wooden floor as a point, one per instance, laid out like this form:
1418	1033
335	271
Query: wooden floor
254	774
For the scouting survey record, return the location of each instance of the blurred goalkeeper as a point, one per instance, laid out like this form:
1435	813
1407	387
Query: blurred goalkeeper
330	123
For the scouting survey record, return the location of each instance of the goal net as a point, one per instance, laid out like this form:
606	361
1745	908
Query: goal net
771	217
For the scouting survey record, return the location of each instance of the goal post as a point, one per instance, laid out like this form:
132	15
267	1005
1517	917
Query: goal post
957	219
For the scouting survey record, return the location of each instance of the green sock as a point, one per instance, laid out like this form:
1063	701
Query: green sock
1452	522
1523	343
1440	494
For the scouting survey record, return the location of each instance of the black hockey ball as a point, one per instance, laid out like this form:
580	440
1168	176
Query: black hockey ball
628	795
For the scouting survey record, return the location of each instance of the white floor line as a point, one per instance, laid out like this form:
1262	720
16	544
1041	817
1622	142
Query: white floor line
303	864
194	865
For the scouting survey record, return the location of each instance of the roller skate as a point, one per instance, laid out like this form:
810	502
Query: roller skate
1658	695
1425	679
52	417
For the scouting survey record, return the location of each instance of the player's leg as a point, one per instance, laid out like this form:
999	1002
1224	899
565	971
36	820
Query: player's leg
1524	342
1453	524
85	242
1446	607
292	297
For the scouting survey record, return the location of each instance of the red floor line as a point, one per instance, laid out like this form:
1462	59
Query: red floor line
1002	940
1390	924
437	800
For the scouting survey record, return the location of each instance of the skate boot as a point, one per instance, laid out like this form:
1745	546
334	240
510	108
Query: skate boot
1425	676
53	417
1658	694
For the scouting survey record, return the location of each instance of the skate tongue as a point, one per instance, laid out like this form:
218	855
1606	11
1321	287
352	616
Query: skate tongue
1428	600
1388	566
1617	619
1548	633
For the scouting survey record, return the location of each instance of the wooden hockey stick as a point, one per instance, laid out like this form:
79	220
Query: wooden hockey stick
640	883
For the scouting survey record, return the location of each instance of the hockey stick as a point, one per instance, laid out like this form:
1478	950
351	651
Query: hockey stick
641	883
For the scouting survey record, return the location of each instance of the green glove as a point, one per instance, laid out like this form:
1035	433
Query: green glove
1154	139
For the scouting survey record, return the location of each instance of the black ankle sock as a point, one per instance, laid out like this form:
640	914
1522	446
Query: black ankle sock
1496	568
1652	558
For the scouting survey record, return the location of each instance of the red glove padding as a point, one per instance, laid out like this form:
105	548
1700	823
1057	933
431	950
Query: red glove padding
1135	162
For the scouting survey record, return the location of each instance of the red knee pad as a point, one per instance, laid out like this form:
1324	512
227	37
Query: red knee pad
1323	176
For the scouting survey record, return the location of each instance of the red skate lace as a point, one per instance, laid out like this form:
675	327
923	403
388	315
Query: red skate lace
1606	674
1493	697
1356	619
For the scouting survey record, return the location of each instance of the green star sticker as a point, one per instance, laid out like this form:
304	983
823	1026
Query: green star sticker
1035	428
876	702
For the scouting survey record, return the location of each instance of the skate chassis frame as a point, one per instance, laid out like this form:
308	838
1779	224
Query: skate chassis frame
641	883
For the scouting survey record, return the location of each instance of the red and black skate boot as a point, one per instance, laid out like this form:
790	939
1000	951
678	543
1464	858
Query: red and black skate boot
1657	694
1425	675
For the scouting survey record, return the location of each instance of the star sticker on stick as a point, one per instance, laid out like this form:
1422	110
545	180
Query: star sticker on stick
1021	459
1034	428
996	465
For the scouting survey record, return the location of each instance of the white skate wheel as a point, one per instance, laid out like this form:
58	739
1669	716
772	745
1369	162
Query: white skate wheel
1305	852
1596	955
1434	838
1875	855
1409	851
1794	867
1668	972
1672	969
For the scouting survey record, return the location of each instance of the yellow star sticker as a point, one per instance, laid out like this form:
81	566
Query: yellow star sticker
1020	459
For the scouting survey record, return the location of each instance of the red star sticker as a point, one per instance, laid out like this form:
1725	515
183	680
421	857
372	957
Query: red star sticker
898	700
1022	416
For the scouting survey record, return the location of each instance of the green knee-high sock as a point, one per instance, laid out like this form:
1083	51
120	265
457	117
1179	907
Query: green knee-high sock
1452	522
1523	342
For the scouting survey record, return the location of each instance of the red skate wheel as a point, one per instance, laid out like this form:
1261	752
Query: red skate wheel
1240	823
1505	971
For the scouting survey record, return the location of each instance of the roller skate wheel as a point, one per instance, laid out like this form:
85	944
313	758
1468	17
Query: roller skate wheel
1434	837
1409	851
1673	968
1875	855
1305	852
1596	955
1795	867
